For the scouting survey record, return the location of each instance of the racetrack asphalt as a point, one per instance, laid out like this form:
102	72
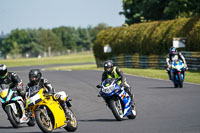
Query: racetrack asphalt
161	108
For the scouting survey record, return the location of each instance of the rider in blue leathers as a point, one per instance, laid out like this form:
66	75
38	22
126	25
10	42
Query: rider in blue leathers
174	55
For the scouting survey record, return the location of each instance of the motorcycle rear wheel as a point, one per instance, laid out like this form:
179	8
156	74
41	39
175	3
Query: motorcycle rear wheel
45	124
133	113
31	122
175	85
72	124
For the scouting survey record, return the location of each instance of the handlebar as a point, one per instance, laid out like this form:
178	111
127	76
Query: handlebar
99	86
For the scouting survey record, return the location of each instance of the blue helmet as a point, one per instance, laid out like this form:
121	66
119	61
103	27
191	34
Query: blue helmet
172	50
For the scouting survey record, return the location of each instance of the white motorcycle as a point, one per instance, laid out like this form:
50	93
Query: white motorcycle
14	107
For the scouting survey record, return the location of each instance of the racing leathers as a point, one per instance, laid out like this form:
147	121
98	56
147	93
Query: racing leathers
60	96
116	73
13	81
174	57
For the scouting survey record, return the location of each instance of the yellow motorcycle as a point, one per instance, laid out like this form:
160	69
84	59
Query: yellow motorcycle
47	111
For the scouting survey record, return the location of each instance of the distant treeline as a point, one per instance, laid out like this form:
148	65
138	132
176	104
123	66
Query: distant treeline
35	42
148	38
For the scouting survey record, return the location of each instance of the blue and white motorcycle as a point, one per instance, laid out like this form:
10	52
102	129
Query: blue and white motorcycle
14	107
178	70
117	99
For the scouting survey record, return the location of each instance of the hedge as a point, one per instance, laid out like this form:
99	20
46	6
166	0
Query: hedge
148	38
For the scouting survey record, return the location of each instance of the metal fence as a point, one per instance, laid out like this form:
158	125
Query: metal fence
152	61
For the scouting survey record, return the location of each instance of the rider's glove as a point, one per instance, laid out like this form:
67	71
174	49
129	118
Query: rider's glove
186	68
57	96
98	86
169	67
122	84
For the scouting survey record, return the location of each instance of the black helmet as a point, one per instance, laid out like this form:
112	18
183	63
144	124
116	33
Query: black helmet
35	76
108	64
3	71
172	50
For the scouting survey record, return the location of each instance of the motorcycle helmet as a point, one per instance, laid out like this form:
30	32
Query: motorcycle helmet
3	71
172	50
35	76
108	66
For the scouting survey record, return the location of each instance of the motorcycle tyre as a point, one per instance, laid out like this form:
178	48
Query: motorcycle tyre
39	122
31	122
180	81
12	120
132	116
112	106
70	127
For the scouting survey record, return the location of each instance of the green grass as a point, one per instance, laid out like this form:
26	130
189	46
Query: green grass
191	76
86	57
83	57
74	67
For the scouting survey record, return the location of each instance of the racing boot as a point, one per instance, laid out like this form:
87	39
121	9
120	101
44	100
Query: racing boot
128	90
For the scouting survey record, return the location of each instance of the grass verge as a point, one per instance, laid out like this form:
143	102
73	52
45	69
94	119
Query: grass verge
83	57
74	67
191	76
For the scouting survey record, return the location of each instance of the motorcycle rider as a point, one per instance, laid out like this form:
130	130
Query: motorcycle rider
111	71
174	55
35	78
12	80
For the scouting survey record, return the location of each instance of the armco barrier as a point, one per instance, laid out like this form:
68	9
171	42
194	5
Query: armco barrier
152	61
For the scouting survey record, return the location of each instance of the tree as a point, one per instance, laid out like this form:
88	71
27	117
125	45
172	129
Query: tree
93	31
49	40
85	40
68	35
136	11
33	49
15	51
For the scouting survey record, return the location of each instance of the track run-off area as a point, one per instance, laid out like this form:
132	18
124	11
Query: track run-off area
161	108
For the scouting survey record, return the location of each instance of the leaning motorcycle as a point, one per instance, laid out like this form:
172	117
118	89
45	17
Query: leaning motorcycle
48	113
117	99
178	70
14	107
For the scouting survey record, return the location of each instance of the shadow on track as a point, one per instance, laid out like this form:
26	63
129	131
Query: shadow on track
29	132
99	120
11	127
162	87
41	132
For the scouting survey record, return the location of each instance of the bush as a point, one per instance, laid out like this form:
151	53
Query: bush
148	38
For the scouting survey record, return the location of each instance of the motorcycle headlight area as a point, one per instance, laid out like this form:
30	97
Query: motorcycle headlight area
34	100
178	67
108	89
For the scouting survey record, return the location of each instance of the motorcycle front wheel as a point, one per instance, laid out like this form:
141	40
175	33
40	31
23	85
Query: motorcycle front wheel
13	118
116	107
180	80
43	120
72	123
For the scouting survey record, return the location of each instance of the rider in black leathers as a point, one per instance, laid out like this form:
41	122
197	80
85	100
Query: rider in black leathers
11	79
35	78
